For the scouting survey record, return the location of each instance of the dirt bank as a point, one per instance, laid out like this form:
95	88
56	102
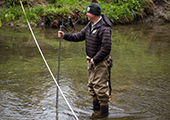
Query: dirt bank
159	12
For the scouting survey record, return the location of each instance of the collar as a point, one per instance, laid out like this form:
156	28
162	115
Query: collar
97	21
93	25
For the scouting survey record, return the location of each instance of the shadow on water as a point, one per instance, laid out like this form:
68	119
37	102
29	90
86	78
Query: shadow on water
140	75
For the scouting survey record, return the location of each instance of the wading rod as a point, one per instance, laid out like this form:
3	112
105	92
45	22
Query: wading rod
58	74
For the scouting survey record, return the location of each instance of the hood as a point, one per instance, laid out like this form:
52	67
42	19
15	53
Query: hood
106	20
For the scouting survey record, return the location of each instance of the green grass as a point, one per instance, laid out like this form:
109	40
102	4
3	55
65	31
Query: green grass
116	10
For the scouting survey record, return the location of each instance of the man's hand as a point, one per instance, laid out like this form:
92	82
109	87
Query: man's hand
92	61
61	34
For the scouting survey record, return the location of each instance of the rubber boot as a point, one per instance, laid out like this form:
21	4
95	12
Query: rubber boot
96	105
104	111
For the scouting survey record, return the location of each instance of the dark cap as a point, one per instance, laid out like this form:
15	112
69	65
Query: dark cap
94	8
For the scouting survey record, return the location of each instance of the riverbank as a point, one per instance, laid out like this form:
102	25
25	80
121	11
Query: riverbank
159	13
44	13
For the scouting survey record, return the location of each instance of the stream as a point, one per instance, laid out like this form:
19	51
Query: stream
140	75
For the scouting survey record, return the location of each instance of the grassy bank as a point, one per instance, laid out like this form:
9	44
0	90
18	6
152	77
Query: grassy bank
118	11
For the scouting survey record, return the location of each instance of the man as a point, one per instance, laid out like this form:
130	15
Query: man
97	35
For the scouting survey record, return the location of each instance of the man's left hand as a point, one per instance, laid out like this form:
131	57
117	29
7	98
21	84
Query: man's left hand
92	61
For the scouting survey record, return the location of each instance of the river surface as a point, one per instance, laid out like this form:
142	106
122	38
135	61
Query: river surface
140	75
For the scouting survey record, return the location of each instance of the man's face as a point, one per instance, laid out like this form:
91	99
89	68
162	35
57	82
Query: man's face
90	16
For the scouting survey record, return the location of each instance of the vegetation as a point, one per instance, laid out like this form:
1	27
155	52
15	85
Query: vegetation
118	11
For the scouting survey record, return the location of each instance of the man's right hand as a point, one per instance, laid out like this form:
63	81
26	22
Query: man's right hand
61	34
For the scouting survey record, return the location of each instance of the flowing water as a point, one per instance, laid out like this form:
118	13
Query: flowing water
140	75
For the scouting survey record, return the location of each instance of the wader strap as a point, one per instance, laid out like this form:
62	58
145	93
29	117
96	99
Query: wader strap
109	81
110	61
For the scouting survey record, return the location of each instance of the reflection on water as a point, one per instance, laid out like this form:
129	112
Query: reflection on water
140	75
